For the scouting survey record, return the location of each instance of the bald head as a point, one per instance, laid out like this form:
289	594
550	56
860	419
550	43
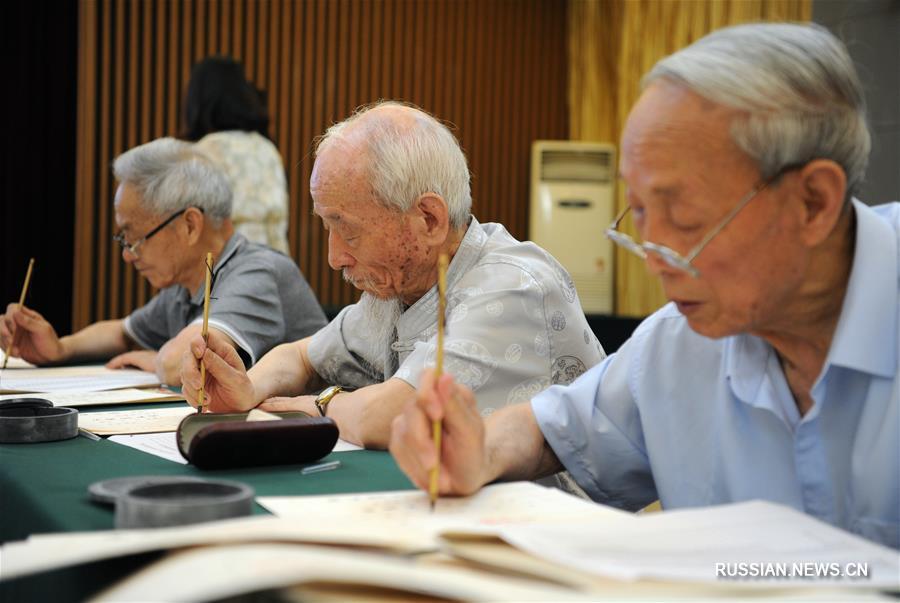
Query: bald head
402	153
374	121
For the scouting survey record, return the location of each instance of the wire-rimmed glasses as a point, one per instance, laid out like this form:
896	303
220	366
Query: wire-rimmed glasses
132	248
669	255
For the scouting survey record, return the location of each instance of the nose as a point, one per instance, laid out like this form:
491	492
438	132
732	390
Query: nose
338	256
654	230
128	256
658	266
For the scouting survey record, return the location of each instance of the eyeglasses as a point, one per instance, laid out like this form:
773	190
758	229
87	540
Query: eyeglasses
672	257
132	248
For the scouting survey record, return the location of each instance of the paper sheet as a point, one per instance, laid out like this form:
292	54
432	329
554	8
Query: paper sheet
117	396
14	363
345	446
42	552
164	445
674	546
93	378
492	506
151	420
396	521
226	571
688	544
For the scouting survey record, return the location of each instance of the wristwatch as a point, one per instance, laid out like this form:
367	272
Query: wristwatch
325	397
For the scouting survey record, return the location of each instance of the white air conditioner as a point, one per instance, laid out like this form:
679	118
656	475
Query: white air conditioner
572	203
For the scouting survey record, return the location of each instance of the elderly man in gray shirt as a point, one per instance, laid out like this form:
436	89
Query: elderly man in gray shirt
391	186
172	207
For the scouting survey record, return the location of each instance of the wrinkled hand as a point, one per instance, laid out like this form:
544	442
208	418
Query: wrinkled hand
33	338
144	360
305	404
463	459
228	388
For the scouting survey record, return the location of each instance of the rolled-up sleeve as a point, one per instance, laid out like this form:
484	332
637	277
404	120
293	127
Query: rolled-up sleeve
594	427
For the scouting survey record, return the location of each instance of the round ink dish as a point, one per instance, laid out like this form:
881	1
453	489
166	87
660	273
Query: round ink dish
109	490
179	502
32	420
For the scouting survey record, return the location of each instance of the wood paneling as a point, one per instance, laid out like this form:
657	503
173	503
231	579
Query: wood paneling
496	70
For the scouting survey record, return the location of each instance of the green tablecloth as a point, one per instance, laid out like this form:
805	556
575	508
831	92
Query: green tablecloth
43	488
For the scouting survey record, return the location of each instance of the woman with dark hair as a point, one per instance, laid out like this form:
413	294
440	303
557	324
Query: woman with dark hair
225	115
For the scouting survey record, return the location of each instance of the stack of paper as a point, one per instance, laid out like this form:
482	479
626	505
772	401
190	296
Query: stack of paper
227	571
93	378
117	396
165	444
151	420
750	543
569	547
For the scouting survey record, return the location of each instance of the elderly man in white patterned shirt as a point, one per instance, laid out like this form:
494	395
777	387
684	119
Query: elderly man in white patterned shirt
391	186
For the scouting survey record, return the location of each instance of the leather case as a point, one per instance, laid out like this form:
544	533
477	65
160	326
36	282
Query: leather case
228	440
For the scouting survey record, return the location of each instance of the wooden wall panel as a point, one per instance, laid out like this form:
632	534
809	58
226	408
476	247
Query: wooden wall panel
494	69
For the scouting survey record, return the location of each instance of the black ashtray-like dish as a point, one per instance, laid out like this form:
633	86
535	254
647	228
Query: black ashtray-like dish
179	502
31	420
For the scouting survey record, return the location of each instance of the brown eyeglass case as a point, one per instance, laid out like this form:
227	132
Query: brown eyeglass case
229	441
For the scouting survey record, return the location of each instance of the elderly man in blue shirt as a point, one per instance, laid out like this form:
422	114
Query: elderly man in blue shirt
773	372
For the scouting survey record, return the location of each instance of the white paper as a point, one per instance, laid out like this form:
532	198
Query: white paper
13	362
150	420
345	446
492	506
94	378
688	545
396	521
213	573
118	396
43	552
163	445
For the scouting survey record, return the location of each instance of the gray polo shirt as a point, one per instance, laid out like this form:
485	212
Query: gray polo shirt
514	327
259	298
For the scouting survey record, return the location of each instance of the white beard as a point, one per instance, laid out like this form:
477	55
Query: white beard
381	316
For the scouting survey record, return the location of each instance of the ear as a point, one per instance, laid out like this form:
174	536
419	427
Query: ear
195	221
432	218
821	185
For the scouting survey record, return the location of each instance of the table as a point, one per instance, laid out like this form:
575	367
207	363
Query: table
43	488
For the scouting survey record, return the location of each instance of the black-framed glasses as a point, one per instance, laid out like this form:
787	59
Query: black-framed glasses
132	248
669	255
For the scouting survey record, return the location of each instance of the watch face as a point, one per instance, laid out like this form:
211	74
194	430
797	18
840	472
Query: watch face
325	397
327	393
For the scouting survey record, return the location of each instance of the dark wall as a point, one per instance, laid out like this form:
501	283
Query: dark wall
871	31
39	39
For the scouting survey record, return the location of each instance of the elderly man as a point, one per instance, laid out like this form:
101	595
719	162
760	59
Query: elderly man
172	207
773	374
391	186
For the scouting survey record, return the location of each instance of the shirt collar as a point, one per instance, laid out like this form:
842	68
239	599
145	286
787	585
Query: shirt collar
746	361
231	246
867	330
421	314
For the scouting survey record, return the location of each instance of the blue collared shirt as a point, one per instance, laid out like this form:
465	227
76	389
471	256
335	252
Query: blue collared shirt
697	421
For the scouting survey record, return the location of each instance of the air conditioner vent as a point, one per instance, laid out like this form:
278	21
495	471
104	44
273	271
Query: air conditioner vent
577	165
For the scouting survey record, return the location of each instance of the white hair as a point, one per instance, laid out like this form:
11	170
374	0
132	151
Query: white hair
795	84
406	161
170	175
